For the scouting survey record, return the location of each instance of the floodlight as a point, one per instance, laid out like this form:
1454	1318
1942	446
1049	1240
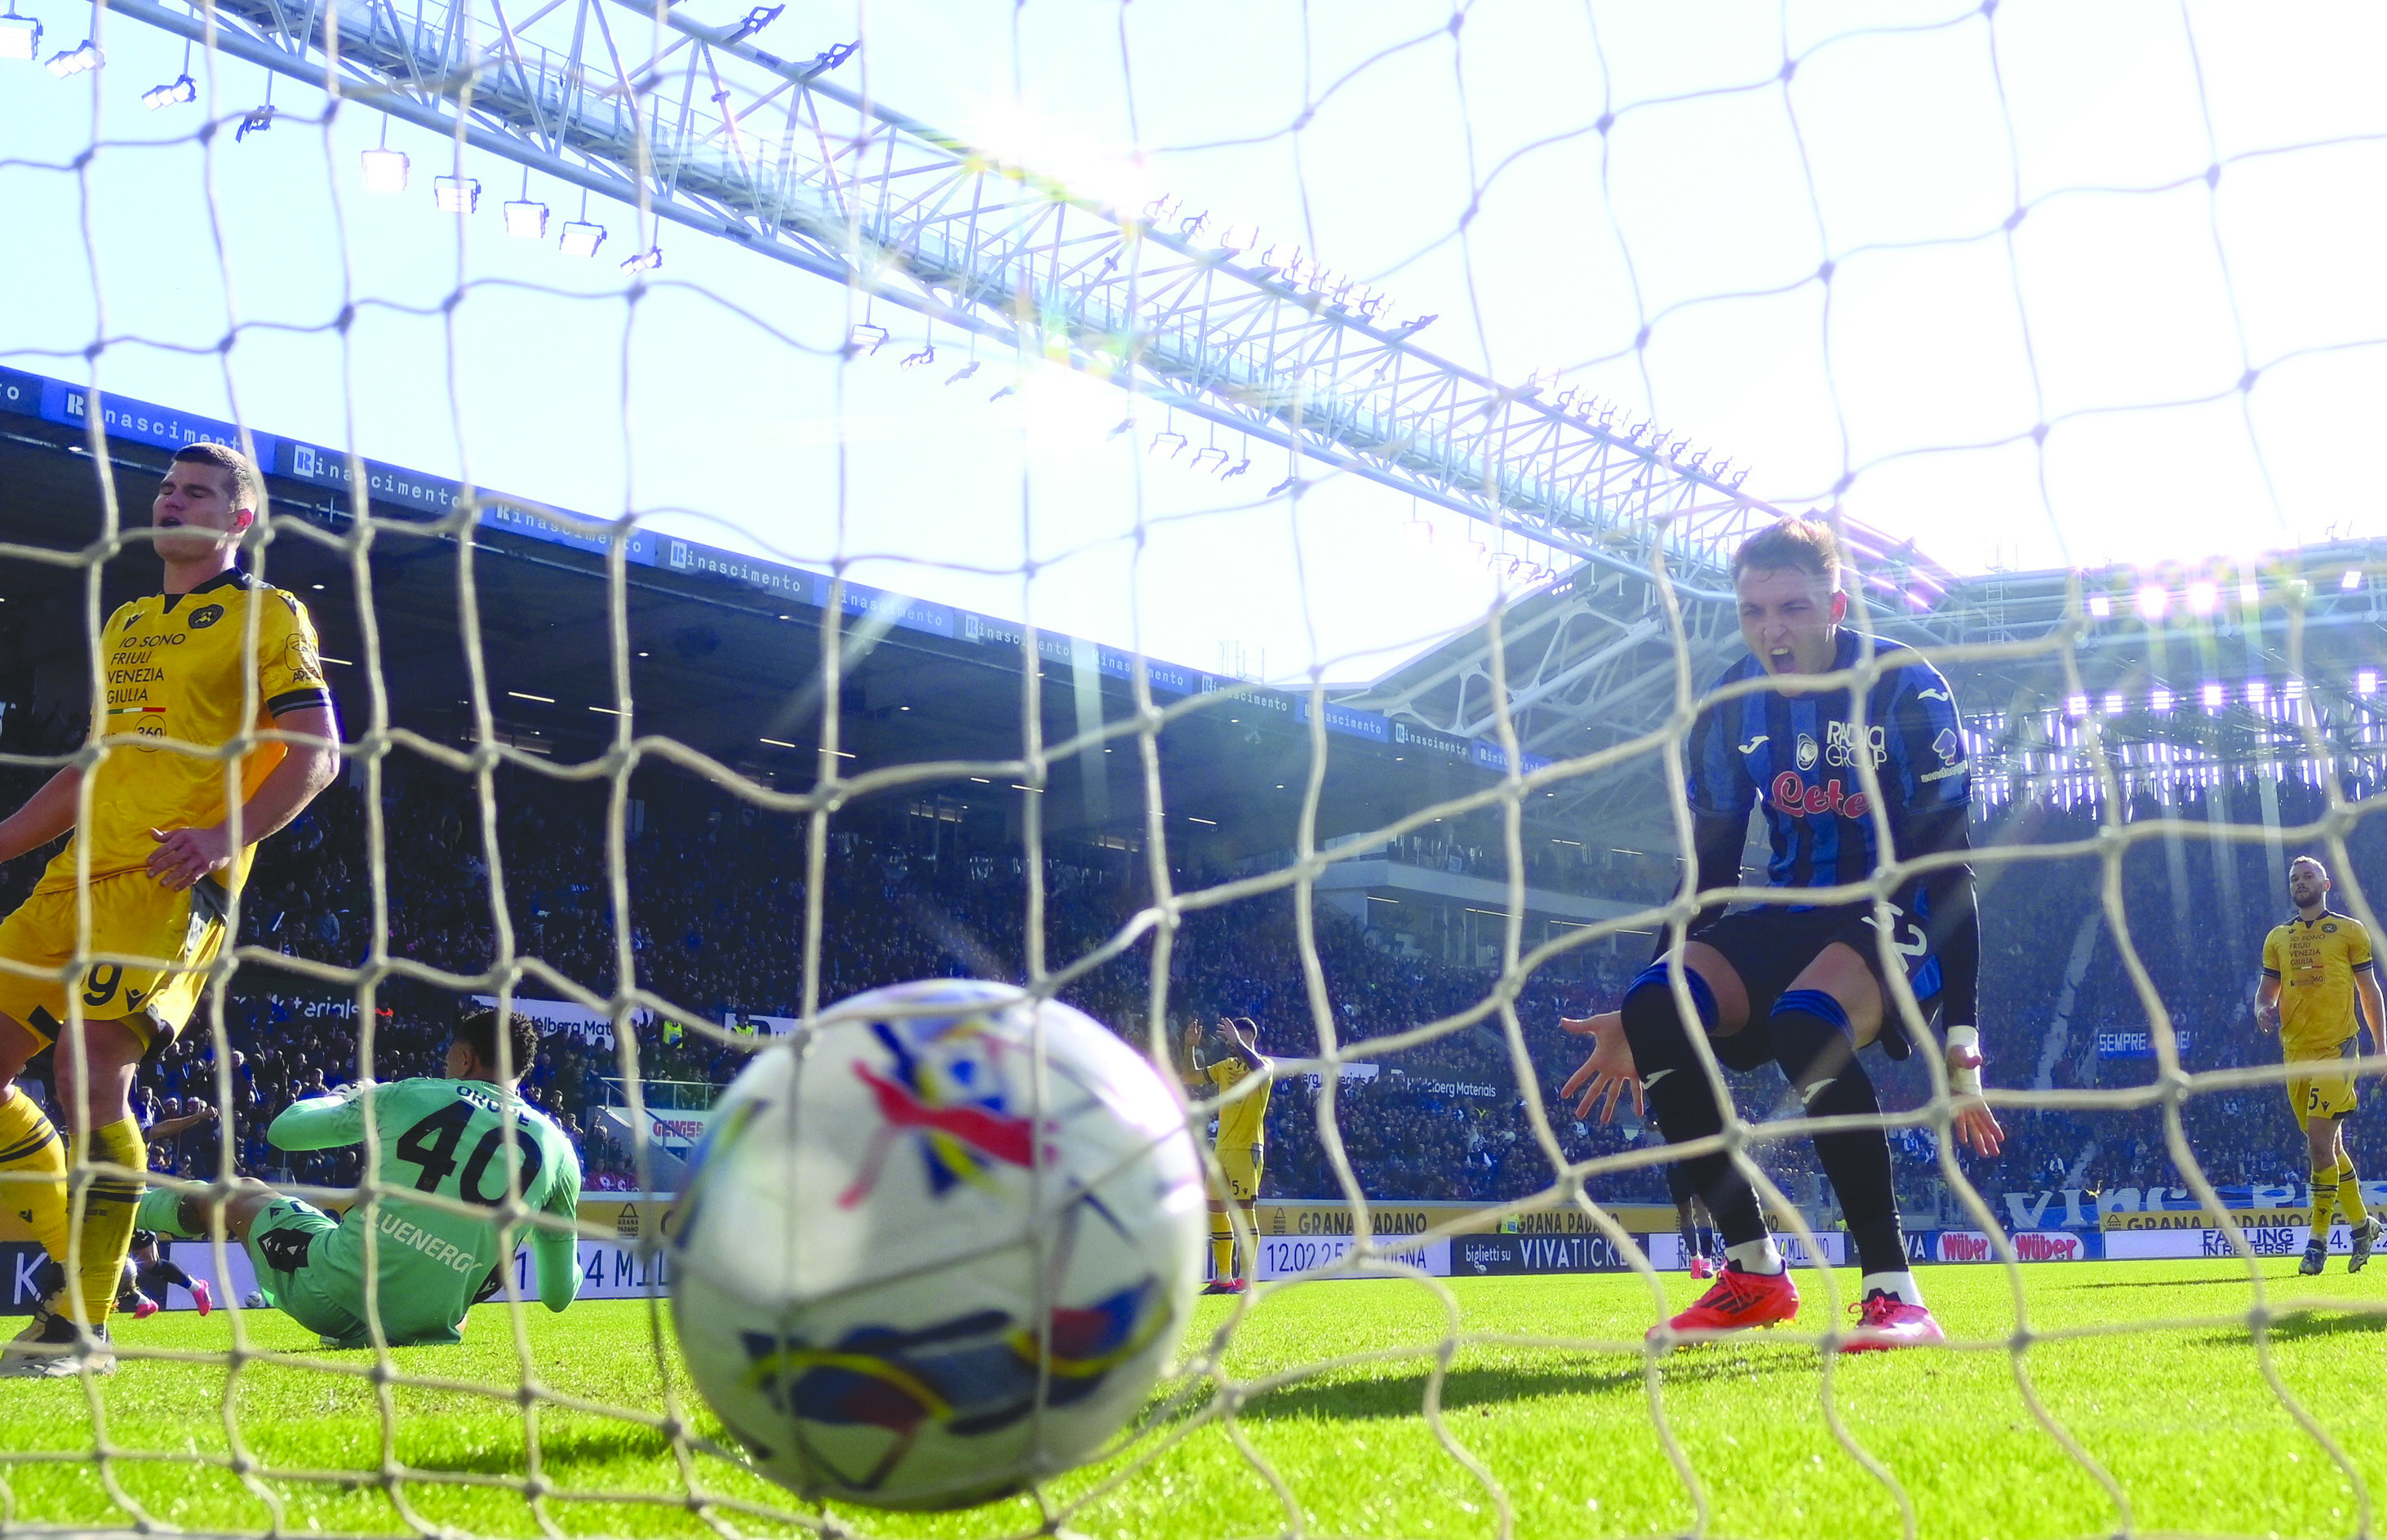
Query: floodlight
2212	694
174	92
385	170
2101	605
2203	597
525	220
581	239
256	120
75	60
2351	580
2076	705
21	37
2114	703
2153	600
455	194
2367	682
1418	532
2159	702
2254	692
2249	591
644	261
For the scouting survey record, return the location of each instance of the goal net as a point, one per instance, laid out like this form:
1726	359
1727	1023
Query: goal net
1212	519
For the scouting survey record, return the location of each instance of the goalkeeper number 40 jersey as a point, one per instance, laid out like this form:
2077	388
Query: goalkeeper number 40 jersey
445	1138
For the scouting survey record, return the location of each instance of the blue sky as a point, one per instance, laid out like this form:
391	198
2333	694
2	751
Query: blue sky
2123	309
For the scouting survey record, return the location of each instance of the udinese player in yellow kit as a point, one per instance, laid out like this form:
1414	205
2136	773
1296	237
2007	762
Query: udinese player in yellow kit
187	670
2314	967
1222	1062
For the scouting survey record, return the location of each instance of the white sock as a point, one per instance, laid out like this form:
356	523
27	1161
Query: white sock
1900	1286
1756	1256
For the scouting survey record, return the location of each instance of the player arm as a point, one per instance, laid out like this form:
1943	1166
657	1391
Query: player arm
2266	1001
47	814
321	1122
185	855
1716	840
2374	1008
555	1252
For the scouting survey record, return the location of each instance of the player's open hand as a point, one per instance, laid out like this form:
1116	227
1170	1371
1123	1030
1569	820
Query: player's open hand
185	855
1977	1126
1609	1072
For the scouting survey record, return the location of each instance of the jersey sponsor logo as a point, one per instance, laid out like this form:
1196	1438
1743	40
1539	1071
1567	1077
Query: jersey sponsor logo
435	1248
1792	795
1947	744
1840	749
300	658
1941	774
206	615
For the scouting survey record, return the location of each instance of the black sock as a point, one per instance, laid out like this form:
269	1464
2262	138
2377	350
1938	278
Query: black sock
1680	1101
1815	1049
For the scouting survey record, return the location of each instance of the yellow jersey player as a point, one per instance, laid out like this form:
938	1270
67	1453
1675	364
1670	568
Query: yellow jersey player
2314	967
212	655
1231	1057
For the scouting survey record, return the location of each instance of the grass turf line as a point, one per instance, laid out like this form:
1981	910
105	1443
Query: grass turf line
2180	1417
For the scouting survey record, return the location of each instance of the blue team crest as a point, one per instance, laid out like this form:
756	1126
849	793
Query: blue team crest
1946	745
1807	753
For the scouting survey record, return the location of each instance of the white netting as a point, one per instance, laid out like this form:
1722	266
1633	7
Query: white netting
940	456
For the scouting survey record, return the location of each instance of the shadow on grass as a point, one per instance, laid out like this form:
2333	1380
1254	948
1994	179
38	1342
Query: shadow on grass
559	1449
1402	1393
2298	1325
2239	1281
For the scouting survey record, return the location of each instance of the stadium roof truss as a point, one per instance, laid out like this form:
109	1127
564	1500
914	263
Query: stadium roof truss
647	106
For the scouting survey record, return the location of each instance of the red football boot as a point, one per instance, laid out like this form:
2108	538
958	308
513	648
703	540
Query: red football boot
1226	1287
1884	1321
200	1296
1740	1299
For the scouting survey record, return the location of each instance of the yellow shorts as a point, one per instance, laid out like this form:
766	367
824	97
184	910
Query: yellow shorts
174	936
2321	1096
1242	1170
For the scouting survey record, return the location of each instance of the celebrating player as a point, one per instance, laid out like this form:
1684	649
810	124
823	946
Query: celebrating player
2315	966
444	1137
148	1274
1802	984
211	656
1241	1142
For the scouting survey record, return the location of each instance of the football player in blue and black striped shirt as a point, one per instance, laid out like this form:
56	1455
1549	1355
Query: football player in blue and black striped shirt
1798	983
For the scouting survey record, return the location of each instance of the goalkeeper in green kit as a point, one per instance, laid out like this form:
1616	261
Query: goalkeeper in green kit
440	1137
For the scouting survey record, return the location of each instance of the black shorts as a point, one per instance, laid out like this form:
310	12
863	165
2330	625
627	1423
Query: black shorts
1770	947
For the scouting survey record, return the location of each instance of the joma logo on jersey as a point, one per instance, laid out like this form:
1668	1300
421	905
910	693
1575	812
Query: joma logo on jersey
1794	796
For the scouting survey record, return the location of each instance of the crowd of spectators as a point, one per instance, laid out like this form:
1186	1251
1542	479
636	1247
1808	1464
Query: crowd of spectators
716	895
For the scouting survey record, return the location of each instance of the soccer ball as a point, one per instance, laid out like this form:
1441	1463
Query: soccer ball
938	1251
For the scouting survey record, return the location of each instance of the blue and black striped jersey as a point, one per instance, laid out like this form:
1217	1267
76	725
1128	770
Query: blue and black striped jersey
1794	756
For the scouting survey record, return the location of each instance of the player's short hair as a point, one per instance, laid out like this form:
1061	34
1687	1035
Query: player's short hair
248	486
478	1031
1250	1026
1806	544
2316	863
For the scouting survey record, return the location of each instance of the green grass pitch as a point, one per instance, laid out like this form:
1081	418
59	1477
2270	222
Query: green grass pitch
2149	1366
